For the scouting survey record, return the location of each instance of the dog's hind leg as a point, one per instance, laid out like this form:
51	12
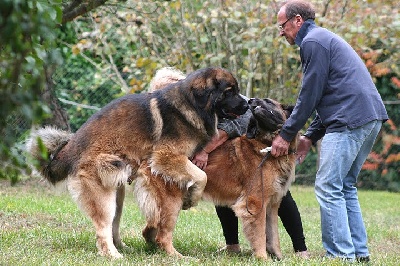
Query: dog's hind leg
160	203
146	195
170	208
117	218
99	204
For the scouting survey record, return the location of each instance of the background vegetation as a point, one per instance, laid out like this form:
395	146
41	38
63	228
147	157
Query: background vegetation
110	48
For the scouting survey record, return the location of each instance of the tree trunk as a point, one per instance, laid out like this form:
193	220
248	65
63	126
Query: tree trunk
59	116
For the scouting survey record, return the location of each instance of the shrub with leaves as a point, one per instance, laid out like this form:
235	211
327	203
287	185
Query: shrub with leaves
27	41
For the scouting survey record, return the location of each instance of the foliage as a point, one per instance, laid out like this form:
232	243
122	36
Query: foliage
75	8
84	82
140	37
27	36
382	168
128	43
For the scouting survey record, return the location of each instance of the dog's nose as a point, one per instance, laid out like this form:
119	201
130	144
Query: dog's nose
252	103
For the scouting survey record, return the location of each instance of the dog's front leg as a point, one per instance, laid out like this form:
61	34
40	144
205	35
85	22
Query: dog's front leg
271	230
195	187
179	169
252	216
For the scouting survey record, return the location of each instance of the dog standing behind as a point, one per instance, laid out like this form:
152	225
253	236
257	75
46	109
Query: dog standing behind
162	129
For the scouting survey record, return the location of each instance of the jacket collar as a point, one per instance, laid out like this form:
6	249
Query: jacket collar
308	25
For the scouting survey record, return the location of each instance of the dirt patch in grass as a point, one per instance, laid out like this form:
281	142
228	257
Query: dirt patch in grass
28	184
17	221
11	220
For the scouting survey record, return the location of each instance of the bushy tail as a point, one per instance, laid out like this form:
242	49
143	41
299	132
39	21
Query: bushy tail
43	144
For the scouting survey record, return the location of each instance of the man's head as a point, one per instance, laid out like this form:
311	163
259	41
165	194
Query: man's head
291	17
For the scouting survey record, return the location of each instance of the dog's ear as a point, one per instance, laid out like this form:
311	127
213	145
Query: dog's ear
198	89
268	100
252	128
288	109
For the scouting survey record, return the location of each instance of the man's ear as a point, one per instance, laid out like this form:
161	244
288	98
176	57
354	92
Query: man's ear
251	128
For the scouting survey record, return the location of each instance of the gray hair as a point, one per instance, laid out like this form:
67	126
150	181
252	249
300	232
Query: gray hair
299	7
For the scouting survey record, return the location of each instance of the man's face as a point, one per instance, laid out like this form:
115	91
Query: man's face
288	27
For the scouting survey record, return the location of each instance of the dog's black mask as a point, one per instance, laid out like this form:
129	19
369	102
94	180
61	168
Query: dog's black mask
268	116
231	105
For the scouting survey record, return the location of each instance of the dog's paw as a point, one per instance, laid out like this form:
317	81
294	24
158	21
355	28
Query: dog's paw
149	234
120	244
117	256
111	254
190	199
187	201
187	204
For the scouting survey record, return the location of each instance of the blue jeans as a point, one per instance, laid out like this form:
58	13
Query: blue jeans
341	158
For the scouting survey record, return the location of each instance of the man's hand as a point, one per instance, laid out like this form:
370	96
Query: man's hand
303	148
279	146
200	159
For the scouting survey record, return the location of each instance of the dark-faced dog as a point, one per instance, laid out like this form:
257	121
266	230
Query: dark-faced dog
160	129
239	175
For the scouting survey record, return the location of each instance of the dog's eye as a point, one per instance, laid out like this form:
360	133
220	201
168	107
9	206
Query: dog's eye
228	92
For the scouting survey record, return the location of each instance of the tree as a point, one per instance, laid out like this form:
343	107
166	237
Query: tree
27	32
28	53
75	8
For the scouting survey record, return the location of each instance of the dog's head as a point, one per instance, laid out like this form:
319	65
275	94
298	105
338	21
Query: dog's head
216	90
268	117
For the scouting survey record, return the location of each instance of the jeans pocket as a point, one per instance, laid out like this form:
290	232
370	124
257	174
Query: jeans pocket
359	134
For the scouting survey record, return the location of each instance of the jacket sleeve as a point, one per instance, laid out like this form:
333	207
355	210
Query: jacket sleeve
237	127
316	130
315	62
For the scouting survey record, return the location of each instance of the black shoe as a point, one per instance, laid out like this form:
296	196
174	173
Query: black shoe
363	259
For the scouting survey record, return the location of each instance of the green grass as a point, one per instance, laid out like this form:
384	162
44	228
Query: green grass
40	227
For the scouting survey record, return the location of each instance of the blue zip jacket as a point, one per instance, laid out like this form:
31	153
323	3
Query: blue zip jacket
336	84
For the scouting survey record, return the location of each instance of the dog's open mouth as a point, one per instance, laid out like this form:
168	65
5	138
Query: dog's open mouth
233	115
229	115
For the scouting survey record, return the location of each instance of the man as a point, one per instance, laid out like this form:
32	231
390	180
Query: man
349	114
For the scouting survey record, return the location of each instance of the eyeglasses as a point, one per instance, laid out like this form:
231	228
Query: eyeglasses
281	27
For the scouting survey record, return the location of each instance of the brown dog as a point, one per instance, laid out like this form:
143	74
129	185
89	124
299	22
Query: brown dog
162	129
252	183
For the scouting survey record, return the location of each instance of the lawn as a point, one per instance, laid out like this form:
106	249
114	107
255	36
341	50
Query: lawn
40	226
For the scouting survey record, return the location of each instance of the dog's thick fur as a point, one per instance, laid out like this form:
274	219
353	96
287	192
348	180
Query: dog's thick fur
237	177
160	129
